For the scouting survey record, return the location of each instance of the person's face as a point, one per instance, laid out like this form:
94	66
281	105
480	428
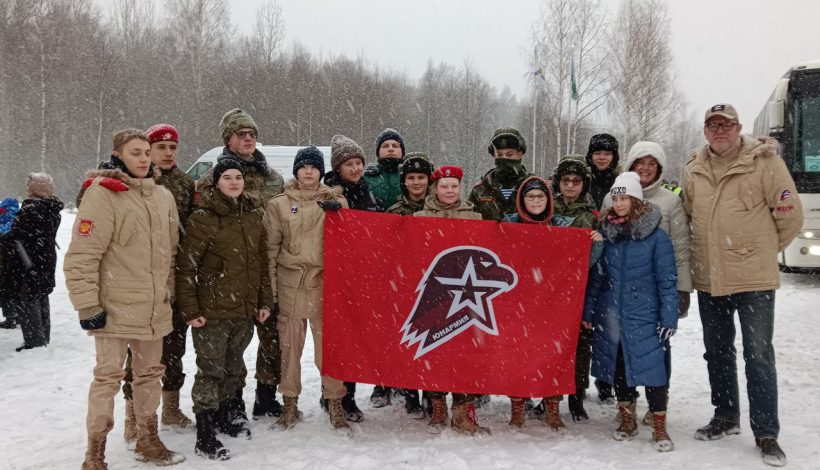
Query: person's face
136	156
448	190
352	170
535	202
164	154
602	159
243	141
622	204
308	176
721	133
390	148
416	184
509	154
231	183
647	169
571	186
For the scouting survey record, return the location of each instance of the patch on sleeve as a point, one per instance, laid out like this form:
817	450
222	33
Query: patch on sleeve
785	195
84	227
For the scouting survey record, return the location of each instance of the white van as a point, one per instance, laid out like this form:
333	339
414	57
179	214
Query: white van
279	157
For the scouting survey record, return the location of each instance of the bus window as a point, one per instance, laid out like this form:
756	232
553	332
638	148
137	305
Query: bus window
199	169
807	135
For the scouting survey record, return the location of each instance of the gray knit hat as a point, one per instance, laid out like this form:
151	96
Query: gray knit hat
343	149
234	120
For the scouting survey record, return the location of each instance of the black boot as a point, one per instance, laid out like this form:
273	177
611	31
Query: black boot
9	323
265	404
576	408
605	392
207	445
231	417
380	396
352	411
412	404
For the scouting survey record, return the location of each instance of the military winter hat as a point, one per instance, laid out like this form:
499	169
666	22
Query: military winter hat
389	134
627	184
603	142
572	165
234	120
724	110
415	162
161	133
343	149
309	156
223	165
507	138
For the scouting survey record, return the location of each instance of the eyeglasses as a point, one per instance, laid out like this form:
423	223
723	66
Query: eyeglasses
572	181
535	197
243	134
724	126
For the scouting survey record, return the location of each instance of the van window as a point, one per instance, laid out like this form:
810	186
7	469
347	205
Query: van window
199	169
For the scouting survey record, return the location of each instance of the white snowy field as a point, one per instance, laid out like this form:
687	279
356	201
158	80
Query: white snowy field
43	399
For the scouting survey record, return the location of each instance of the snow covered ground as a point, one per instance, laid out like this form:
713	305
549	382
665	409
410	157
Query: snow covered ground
43	396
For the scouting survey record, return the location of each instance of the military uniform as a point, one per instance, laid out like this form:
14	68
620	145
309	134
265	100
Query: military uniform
406	206
488	199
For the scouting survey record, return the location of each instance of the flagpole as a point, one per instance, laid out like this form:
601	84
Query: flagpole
534	109
569	102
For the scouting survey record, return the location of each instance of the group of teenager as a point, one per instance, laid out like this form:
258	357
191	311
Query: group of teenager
153	252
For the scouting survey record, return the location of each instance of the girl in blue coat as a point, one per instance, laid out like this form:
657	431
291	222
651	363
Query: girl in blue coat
632	301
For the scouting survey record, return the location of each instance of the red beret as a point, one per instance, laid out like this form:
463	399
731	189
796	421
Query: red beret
161	132
448	171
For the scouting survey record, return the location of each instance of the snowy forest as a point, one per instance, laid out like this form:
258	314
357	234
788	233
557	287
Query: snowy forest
71	73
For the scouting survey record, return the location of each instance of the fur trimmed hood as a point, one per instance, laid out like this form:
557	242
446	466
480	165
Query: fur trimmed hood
637	229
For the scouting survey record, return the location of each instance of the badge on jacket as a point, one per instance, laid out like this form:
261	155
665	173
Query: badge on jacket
294	210
84	227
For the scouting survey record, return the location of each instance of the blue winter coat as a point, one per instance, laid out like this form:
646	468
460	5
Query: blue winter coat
631	294
8	209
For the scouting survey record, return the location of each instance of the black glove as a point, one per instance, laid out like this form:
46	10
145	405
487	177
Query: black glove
94	323
666	333
331	205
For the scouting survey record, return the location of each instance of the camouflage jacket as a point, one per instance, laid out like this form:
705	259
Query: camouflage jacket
182	187
406	206
487	198
578	214
262	183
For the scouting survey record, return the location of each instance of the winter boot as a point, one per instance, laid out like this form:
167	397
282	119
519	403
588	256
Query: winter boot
537	412
465	421
95	454
412	404
231	418
265	405
481	400
605	392
338	417
716	429
552	415
576	408
207	445
130	426
290	413
438	416
517	407
771	452
151	449
660	438
171	414
380	396
628	428
648	418
10	323
352	411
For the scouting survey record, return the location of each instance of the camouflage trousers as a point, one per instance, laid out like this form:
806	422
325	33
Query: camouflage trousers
221	371
173	348
269	354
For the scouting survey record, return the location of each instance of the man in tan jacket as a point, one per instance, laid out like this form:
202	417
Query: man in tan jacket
744	209
119	273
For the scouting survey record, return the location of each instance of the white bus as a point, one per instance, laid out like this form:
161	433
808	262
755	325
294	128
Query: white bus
792	116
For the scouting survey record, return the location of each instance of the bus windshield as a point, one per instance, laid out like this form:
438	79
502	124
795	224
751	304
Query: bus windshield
806	135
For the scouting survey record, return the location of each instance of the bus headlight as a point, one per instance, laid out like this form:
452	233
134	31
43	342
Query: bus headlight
809	234
814	250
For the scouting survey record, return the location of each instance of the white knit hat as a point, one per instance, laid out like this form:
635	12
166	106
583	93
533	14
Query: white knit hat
629	184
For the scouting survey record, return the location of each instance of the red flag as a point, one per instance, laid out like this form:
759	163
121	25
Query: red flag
452	305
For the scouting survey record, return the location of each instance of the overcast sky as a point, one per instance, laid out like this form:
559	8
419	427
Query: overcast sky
725	50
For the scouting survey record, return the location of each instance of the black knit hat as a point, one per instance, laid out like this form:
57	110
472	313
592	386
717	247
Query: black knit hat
572	165
603	142
507	138
223	165
309	156
389	134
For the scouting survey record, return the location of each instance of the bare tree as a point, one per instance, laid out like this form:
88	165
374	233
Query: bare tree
269	31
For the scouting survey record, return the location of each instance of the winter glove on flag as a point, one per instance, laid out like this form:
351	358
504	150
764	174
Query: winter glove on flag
331	205
665	333
94	323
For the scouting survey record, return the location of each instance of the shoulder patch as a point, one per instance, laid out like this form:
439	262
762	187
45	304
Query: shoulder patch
84	227
114	184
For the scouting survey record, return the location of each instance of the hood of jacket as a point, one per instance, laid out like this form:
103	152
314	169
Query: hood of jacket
637	229
521	209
